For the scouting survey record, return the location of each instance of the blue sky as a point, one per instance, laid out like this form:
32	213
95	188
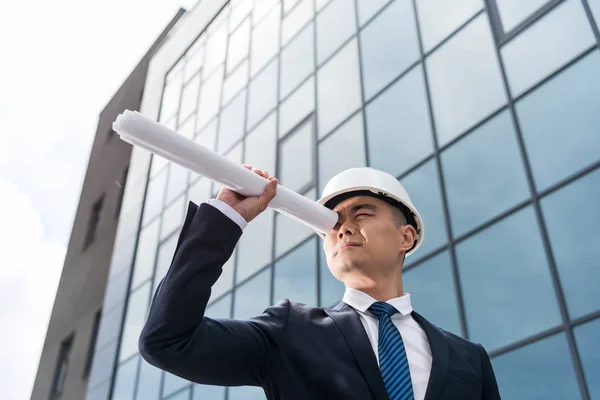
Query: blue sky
61	63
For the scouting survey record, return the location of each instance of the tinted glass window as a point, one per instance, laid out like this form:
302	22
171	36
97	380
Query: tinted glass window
125	379
368	8
513	12
296	19
149	382
464	79
266	35
296	107
560	121
484	174
253	296
389	45
297	158
235	82
172	384
172	218
296	275
232	123
332	290
246	393
517	287
134	321
290	232
178	180
239	43
573	220
297	60
542	370
398	125
155	196
544	47
335	24
166	251
432	292
338	87
263	94
210	90
255	245
587	342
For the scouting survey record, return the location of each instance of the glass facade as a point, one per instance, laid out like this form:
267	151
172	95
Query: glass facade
487	111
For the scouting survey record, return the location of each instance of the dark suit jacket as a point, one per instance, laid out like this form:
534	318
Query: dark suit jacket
291	350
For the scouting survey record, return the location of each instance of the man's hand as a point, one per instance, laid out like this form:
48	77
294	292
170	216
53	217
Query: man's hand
250	207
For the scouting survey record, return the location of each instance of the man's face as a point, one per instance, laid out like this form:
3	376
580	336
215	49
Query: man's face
367	237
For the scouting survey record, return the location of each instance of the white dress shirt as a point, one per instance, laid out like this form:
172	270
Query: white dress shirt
415	340
416	344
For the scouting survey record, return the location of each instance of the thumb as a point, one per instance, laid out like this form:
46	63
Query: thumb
269	193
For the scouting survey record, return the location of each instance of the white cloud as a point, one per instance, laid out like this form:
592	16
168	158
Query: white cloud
30	265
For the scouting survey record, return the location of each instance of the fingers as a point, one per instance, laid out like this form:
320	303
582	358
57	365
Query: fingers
257	171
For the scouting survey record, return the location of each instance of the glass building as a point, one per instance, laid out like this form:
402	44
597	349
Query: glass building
487	111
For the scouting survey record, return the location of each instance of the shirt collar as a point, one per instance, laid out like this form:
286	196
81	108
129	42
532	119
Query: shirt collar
361	301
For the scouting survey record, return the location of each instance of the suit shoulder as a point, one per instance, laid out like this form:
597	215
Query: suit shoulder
459	341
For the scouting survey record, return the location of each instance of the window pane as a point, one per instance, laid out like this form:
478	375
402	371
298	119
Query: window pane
439	18
208	105
397	117
189	98
200	191
484	174
261	145
110	326
149	382
335	24
464	78
166	251
595	7
255	245
172	384
125	380
587	342
560	121
542	370
134	321
116	289
296	19
155	196
321	3
266	35
389	45
220	308
332	290
296	107
338	87
235	82
289	5
183	395
349	137
170	99
178	181
368	8
232	122
239	10
573	221
173	217
513	12
290	232
432	291
263	93
296	275
103	363
261	8
507	298
205	392
208	136
186	128
195	59
555	39
423	187
297	60
216	44
297	158
246	393
254	296
100	392
239	43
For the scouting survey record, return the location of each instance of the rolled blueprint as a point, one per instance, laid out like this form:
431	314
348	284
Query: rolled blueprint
143	132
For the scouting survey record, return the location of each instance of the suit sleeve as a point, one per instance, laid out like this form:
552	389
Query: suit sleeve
490	386
178	338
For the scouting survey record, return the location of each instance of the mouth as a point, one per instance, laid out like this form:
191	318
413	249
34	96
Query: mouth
347	246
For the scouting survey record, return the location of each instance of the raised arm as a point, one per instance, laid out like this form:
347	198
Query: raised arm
178	338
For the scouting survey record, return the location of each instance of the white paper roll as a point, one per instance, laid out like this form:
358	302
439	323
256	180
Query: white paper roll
143	132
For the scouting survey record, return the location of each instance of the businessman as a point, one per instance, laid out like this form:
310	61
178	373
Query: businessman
372	345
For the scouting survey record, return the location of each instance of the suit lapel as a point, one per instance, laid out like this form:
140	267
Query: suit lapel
439	352
348	321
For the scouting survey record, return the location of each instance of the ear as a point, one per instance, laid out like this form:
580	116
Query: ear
408	236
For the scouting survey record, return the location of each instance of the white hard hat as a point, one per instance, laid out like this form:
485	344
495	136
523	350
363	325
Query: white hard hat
370	181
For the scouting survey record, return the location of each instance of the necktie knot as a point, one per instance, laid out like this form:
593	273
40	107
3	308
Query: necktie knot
380	309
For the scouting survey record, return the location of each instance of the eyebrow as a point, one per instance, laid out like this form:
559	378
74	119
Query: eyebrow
357	207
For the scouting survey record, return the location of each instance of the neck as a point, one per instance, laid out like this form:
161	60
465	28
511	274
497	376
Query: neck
380	288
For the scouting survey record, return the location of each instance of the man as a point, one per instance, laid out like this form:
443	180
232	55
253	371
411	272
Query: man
371	346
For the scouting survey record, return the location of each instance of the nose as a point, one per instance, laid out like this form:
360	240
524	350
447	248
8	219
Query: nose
346	229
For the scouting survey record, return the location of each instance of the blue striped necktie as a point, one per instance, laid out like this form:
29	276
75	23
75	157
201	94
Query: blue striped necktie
393	363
